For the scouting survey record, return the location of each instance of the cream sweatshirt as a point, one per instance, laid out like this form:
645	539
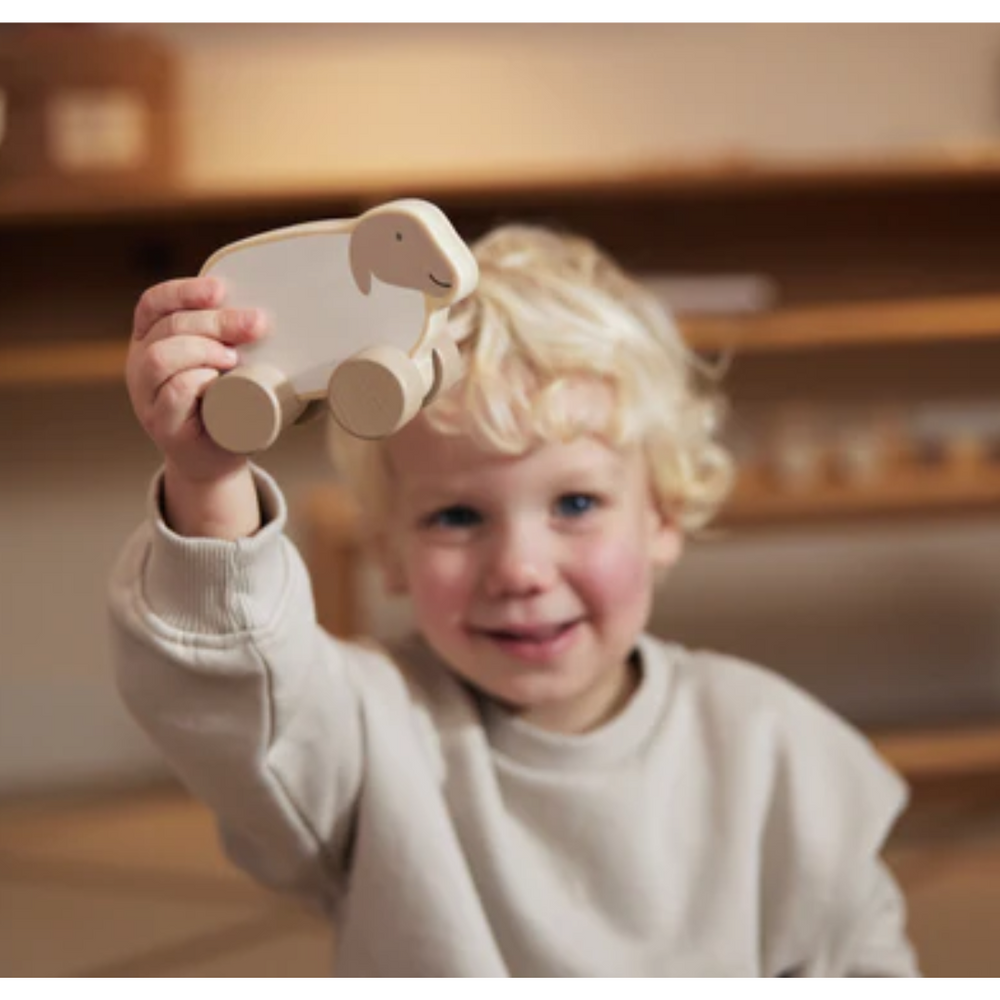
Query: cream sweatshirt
723	824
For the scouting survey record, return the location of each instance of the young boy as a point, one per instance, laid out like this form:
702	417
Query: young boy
531	786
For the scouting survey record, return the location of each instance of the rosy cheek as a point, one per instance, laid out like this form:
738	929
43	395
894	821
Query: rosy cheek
613	574
439	584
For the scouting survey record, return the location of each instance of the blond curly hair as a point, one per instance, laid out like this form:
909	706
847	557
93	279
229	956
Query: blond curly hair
552	315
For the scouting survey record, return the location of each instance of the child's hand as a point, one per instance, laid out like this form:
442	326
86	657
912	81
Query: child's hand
181	341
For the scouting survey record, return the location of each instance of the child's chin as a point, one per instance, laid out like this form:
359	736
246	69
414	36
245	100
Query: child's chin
532	694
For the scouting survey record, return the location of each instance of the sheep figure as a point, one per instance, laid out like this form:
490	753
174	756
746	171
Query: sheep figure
358	310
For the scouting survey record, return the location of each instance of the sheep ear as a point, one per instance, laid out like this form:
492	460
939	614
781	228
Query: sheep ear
361	272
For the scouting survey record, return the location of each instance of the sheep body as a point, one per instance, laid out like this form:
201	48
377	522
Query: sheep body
370	294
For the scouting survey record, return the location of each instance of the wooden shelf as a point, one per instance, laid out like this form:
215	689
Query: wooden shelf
56	364
29	202
916	489
947	752
904	321
849	324
757	501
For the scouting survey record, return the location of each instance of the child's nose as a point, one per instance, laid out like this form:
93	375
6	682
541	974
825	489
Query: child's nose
521	564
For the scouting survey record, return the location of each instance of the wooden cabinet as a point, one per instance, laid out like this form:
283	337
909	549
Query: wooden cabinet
888	279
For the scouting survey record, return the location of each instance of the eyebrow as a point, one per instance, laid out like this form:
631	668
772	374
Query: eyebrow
430	493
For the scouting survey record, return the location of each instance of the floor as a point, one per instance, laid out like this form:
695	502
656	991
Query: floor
134	885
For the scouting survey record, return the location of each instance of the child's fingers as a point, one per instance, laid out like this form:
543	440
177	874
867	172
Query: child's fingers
176	406
165	359
174	296
231	326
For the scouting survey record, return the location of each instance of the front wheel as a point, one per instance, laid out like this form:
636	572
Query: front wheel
376	392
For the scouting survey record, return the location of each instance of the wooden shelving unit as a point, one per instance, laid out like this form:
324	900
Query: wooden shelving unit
875	262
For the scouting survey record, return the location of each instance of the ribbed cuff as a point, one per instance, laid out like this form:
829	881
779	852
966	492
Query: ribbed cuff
210	586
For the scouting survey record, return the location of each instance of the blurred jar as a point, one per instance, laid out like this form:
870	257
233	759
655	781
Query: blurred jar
796	452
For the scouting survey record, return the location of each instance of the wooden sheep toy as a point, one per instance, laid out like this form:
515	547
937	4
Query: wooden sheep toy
358	310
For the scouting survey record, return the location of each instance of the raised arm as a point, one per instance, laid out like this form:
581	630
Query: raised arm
217	650
219	657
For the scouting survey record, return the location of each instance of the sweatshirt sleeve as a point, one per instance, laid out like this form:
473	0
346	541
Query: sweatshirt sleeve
877	943
834	904
863	930
219	657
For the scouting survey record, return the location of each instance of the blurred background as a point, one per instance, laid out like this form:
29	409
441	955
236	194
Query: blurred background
816	203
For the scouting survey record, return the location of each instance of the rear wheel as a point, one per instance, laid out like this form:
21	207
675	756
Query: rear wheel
447	362
246	409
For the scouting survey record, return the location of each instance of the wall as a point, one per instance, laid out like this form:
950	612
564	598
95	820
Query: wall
75	468
312	103
293	105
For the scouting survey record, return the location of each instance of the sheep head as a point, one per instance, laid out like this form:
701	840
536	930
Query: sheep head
412	244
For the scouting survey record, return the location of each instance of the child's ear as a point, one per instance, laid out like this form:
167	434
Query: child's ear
667	542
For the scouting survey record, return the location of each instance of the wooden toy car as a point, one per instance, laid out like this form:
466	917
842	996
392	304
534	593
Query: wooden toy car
358	313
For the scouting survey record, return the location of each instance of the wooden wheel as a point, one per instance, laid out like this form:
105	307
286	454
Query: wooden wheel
245	410
447	368
376	392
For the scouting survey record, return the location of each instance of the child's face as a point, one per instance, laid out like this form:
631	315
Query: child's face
531	576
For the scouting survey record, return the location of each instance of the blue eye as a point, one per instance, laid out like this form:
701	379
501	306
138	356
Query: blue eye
454	517
575	504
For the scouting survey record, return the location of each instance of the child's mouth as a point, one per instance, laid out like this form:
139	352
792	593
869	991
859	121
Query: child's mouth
537	643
